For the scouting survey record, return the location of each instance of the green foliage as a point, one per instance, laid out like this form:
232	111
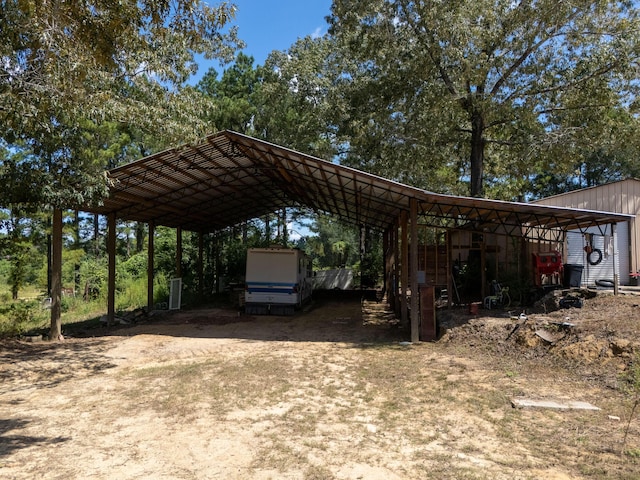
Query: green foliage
131	293
608	152
294	103
630	386
65	85
19	247
165	251
93	275
135	266
18	270
160	288
234	254
233	95
17	318
334	244
486	93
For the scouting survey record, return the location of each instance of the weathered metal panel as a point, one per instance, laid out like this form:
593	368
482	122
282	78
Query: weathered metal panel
228	178
604	270
617	197
428	325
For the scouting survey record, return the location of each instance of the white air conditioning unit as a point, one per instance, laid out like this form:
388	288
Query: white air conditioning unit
175	293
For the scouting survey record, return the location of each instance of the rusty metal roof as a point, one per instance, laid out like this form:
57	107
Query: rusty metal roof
228	178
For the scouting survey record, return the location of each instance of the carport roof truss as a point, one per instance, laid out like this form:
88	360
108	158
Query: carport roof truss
228	178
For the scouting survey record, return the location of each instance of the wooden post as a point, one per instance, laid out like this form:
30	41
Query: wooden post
216	254
77	246
150	267
386	247
483	267
361	255
111	282
179	252
415	309
449	277
56	275
436	254
616	276
396	268
404	272
200	264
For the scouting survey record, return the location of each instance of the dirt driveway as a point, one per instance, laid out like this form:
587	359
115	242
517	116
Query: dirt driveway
333	393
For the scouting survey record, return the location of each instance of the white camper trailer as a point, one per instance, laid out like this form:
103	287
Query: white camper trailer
278	280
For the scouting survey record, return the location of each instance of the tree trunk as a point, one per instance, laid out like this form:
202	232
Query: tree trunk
111	281
140	231
477	153
77	245
56	275
96	234
49	256
285	234
267	230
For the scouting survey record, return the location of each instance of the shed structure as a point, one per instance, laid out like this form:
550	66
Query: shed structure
617	197
227	178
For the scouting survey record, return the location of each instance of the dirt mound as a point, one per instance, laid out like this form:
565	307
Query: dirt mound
598	336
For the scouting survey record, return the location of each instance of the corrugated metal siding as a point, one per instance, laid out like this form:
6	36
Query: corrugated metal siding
617	197
604	270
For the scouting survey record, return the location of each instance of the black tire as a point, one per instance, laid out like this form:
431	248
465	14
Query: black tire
598	259
605	283
571	302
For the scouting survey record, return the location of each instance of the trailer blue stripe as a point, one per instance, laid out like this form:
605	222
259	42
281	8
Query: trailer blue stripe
271	290
270	287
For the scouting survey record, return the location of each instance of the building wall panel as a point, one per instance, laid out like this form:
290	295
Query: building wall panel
617	197
605	269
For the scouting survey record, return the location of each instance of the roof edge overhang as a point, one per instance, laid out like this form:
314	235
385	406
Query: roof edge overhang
227	178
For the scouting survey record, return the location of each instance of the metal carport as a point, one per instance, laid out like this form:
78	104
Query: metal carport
228	178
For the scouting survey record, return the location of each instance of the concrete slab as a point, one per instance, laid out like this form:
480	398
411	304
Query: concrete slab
554	404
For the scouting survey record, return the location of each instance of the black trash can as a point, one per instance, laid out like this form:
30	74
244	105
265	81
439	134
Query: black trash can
572	275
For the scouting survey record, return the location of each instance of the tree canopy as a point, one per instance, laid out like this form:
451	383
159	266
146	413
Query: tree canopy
233	95
485	91
66	65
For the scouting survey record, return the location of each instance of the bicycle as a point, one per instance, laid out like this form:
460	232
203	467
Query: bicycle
500	297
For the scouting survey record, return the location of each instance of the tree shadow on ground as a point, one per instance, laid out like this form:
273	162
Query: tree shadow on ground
47	364
11	441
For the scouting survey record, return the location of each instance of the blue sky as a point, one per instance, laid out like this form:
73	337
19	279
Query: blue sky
267	25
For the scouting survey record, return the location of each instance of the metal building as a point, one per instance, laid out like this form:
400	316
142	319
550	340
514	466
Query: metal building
226	178
586	247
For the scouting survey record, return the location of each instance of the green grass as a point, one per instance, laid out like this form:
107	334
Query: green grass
30	313
21	316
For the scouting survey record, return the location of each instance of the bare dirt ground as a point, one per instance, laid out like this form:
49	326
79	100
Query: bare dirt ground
331	393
